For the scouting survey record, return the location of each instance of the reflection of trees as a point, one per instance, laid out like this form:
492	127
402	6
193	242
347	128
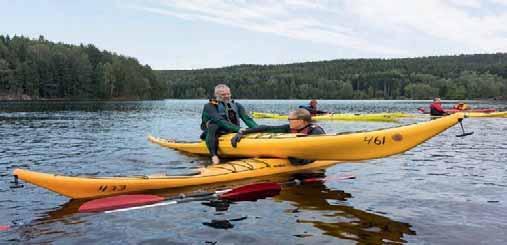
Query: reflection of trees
342	221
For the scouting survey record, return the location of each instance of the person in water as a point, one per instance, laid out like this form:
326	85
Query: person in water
436	108
300	121
461	106
312	108
220	116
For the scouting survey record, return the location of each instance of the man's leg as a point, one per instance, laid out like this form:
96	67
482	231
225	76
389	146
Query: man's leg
212	142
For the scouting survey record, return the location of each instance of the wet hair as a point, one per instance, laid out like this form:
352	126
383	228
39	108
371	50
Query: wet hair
302	114
220	87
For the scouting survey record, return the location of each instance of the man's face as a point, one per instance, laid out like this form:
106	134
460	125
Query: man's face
224	95
313	104
295	123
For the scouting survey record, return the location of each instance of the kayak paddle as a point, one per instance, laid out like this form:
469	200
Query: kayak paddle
463	129
250	192
130	202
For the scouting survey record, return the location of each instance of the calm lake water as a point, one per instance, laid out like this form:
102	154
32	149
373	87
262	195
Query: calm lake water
446	191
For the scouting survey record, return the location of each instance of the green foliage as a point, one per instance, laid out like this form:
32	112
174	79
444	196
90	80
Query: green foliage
44	70
450	77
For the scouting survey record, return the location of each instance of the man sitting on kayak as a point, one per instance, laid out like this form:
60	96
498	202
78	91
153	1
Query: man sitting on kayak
436	108
221	116
312	108
300	121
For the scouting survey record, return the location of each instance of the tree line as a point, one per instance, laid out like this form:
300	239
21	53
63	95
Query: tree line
479	76
40	69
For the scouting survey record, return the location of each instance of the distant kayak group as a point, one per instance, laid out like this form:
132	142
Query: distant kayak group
436	109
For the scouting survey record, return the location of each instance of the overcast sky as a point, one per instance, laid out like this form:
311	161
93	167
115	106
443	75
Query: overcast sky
191	34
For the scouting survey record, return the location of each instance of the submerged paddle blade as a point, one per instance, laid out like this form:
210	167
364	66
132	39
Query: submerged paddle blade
464	134
252	192
117	202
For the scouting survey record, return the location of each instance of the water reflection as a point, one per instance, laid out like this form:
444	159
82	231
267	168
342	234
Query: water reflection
326	210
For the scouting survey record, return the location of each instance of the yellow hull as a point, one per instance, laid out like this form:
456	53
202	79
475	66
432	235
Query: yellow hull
343	147
90	187
373	117
483	114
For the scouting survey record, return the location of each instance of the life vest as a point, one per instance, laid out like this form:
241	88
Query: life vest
229	111
461	107
307	130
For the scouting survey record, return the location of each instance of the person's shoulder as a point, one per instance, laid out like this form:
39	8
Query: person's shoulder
211	103
237	103
316	129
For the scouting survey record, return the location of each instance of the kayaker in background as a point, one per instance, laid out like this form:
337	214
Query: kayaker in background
220	116
300	121
312	108
436	108
461	106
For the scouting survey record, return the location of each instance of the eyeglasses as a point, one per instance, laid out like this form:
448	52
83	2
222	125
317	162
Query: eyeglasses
292	119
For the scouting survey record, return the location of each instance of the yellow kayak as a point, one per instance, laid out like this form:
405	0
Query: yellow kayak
344	146
369	117
484	114
90	187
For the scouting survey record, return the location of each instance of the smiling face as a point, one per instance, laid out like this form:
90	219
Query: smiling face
223	94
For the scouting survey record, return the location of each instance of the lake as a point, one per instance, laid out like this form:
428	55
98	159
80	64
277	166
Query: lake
448	190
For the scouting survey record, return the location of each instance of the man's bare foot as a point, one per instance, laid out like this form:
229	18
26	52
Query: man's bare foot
215	159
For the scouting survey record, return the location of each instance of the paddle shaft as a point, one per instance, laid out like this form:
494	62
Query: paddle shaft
173	200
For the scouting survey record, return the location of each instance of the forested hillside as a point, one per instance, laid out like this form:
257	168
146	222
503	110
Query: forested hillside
451	77
40	69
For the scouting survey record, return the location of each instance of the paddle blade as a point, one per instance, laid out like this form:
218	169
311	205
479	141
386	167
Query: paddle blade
464	134
252	192
117	202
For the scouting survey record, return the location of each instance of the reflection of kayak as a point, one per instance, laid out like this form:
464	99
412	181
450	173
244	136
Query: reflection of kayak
88	187
475	112
343	146
372	117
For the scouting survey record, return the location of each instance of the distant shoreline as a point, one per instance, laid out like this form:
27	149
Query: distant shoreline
29	99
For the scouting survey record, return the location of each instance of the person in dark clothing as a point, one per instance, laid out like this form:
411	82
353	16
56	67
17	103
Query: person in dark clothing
312	108
220	116
300	121
436	108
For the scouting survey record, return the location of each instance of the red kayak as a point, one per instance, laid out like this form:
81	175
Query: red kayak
483	110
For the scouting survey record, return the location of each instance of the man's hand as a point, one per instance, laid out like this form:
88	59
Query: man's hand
236	139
